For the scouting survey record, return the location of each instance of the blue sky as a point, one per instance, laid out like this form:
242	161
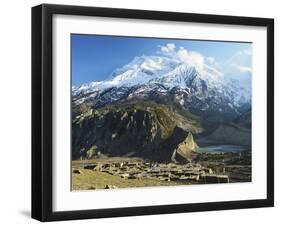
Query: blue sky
94	57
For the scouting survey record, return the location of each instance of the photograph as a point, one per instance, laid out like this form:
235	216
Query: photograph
145	112
149	111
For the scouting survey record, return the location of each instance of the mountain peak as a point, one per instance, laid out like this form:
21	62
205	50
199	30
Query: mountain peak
144	69
154	77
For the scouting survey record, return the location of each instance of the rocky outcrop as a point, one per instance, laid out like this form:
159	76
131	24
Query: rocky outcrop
183	151
147	130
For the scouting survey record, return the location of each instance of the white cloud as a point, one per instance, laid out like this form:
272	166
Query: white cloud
169	49
211	60
183	55
171	46
191	57
200	62
242	69
241	61
238	63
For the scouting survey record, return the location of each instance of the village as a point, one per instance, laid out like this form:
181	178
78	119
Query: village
190	173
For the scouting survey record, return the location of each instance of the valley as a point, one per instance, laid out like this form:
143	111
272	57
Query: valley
160	121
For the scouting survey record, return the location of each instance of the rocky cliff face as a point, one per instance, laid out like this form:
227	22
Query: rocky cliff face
148	130
183	151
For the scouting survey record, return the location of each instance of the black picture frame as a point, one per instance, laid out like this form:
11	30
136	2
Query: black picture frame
42	111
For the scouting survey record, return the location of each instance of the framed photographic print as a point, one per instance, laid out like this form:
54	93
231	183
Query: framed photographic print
146	112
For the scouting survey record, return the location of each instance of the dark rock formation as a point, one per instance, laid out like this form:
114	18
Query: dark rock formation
147	130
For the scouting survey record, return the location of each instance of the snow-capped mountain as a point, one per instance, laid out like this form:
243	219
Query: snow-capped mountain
162	78
138	72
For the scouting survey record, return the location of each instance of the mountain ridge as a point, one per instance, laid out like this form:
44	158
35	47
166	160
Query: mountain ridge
152	77
143	129
152	108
